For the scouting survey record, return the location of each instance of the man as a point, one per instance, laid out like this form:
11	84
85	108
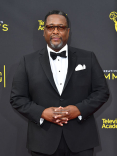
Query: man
58	89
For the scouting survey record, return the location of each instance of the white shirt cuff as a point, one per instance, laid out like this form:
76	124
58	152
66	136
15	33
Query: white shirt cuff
80	117
41	121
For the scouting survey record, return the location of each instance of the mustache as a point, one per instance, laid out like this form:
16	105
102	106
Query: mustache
55	36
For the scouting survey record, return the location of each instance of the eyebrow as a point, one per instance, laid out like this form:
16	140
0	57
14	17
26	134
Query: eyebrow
54	24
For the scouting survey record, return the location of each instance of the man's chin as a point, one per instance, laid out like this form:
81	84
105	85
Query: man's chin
56	46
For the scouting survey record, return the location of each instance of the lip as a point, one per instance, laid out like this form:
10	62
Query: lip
55	38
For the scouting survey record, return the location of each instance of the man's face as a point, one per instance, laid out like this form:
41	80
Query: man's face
56	39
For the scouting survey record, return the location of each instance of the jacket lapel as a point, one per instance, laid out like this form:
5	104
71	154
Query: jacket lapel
71	65
44	60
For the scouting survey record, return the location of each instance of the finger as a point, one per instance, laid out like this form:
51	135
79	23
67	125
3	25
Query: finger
59	123
66	111
63	122
64	119
57	116
61	112
64	114
58	108
57	112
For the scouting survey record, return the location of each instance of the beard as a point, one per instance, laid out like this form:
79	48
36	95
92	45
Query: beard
56	46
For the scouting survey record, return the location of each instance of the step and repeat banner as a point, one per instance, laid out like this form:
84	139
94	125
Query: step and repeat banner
93	27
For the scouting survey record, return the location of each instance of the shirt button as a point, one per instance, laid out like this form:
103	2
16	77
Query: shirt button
61	99
59	70
58	59
60	83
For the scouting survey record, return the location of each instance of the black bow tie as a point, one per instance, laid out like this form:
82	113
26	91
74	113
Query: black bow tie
54	55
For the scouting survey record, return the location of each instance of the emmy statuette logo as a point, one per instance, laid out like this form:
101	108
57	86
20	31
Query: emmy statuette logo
113	17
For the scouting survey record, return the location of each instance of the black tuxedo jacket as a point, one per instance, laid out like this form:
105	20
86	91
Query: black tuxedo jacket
33	90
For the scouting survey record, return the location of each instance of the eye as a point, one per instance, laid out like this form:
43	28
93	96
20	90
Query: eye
50	27
61	27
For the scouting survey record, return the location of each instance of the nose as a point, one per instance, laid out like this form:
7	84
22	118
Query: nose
56	31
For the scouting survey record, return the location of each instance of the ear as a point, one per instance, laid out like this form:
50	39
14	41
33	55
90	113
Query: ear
68	31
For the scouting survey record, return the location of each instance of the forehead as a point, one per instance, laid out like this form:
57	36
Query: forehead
56	19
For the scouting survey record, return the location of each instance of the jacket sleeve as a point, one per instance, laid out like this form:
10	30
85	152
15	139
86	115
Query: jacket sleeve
99	94
20	98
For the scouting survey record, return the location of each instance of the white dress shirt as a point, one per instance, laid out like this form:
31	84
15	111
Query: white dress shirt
59	68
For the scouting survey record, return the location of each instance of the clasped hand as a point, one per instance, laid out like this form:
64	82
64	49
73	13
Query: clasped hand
60	115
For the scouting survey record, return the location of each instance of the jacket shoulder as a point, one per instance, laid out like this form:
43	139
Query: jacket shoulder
34	55
81	52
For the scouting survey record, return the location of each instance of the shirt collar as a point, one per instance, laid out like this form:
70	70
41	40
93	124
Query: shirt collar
65	48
